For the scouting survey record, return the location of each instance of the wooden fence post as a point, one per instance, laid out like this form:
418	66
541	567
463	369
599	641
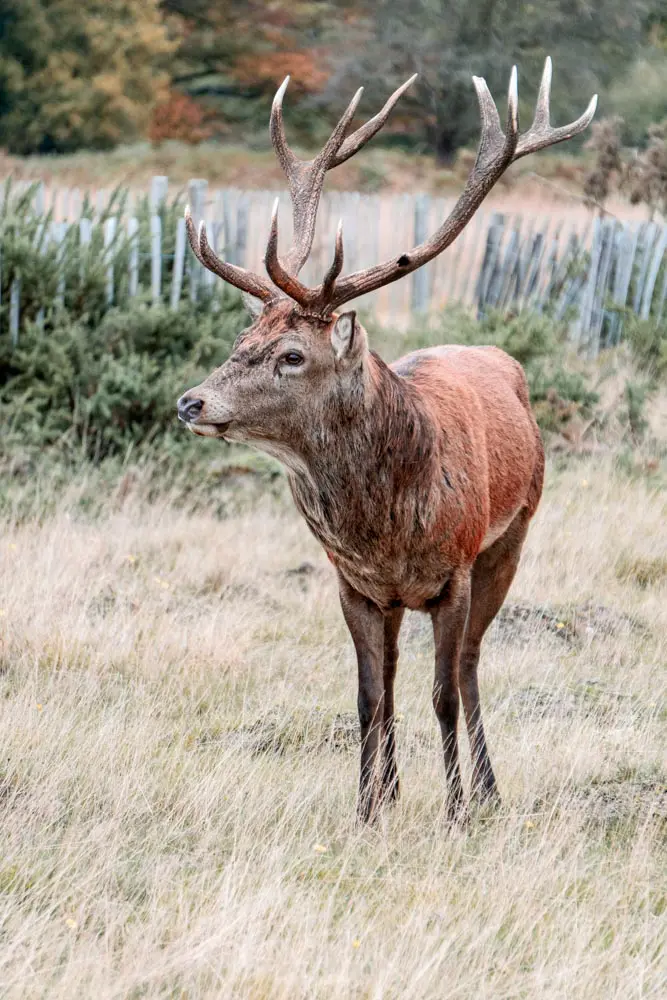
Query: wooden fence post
156	259
420	282
14	298
133	265
179	261
109	237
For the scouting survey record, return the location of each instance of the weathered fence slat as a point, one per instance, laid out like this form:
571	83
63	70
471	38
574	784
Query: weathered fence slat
625	256
652	273
607	235
14	299
59	236
648	234
133	264
109	237
663	298
419	279
197	191
159	193
491	251
156	259
179	261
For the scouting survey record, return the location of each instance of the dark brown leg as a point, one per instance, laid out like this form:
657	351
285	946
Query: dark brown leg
392	625
492	575
366	624
449	613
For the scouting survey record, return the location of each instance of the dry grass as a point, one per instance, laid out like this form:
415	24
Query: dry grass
552	182
178	768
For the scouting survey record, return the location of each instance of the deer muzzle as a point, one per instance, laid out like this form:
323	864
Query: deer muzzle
192	411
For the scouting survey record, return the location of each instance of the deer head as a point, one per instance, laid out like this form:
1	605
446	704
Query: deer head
299	352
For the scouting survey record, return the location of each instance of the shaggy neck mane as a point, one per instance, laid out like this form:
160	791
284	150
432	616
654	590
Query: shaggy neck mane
367	462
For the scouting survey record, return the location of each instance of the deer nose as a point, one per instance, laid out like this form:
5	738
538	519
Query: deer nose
189	409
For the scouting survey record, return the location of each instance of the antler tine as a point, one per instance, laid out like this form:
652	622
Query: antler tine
336	138
362	135
277	131
494	143
541	134
287	282
246	281
327	286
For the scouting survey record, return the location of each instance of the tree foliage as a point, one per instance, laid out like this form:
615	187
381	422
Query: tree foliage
79	74
446	41
92	73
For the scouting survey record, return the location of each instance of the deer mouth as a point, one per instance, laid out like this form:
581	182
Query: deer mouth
210	430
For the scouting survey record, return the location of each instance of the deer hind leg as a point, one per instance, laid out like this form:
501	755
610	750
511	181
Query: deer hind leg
390	783
366	624
449	613
492	574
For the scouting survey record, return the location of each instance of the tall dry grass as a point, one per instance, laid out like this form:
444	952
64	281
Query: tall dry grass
178	766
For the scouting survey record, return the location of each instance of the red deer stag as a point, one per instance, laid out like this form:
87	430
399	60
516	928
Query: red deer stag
418	478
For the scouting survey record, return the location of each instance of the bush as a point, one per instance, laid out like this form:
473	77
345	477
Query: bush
648	343
86	375
99	388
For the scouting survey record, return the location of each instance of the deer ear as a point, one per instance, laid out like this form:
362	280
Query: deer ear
347	337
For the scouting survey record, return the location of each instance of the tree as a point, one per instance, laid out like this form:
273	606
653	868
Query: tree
608	168
232	54
79	74
647	173
446	41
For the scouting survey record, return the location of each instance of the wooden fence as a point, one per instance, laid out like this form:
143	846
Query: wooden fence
590	274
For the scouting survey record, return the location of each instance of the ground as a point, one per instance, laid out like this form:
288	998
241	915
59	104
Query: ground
178	764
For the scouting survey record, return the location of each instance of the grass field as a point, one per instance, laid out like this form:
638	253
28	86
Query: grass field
179	762
552	181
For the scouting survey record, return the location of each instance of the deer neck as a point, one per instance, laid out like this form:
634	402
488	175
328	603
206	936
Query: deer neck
366	465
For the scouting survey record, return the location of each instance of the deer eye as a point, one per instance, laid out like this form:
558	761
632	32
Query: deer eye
293	358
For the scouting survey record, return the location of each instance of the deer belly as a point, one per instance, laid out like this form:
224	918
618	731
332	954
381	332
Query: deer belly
411	585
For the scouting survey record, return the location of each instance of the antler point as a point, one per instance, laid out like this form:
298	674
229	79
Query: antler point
280	93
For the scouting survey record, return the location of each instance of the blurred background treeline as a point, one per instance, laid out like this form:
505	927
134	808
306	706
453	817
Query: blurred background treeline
93	74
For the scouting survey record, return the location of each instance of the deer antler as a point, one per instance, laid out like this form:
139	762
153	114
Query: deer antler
496	151
237	276
305	179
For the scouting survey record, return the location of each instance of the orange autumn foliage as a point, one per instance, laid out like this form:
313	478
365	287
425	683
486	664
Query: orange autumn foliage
307	69
179	117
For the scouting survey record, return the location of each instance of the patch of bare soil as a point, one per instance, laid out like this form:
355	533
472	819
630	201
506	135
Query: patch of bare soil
574	625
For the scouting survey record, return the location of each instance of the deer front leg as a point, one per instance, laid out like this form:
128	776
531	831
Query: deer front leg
392	625
366	624
449	614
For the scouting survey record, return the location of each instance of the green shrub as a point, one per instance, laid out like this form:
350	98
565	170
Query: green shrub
648	342
101	387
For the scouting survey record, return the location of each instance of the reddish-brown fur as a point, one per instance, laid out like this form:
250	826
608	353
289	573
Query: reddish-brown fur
413	477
